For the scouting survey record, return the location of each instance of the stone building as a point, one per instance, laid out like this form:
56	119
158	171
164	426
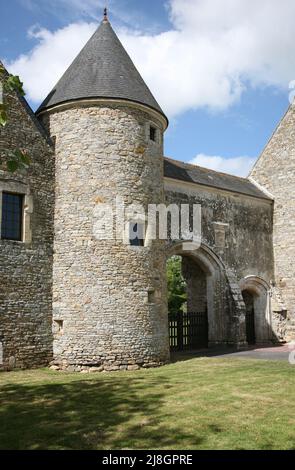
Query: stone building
76	299
26	242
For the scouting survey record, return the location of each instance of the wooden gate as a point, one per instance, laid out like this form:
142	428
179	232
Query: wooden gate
188	331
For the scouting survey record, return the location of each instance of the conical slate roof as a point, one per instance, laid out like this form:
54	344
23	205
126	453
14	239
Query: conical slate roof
103	69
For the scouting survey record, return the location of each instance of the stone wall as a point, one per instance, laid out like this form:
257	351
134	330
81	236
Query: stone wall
275	171
109	299
110	306
247	224
26	267
196	285
238	229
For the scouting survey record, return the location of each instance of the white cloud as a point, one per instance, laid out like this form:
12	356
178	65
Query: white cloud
239	166
46	63
213	50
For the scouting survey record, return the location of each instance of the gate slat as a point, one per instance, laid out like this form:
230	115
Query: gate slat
188	331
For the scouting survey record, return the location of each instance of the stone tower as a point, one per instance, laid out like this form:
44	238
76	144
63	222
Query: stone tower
109	302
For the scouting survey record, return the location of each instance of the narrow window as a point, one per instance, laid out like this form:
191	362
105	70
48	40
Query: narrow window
59	326
12	216
153	133
136	234
151	297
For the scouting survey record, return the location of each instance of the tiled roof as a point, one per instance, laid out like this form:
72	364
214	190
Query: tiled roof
203	176
103	69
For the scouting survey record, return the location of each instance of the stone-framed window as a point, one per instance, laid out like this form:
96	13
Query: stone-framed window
12	216
151	296
58	327
136	234
153	133
16	207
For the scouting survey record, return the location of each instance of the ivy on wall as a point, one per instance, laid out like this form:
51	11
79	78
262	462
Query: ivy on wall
14	159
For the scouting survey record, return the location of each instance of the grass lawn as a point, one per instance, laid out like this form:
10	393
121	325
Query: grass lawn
194	404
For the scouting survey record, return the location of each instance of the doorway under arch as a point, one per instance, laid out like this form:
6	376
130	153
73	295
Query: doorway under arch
256	297
209	290
187	304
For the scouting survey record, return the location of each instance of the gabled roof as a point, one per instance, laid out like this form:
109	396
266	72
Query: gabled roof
203	176
103	69
27	108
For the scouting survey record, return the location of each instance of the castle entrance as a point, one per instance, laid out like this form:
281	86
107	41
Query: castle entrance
198	288
187	304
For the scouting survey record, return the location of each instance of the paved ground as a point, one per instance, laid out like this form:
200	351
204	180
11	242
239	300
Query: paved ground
272	353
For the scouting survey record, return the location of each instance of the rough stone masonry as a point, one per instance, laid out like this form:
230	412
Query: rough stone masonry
81	303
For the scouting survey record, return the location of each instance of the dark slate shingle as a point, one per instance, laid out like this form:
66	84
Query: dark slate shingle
196	174
103	69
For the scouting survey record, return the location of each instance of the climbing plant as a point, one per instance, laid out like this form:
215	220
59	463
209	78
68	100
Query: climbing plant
14	158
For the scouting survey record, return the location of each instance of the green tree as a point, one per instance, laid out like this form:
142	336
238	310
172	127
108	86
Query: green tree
177	296
14	158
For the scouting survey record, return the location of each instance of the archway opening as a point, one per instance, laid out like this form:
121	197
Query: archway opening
249	301
187	304
256	297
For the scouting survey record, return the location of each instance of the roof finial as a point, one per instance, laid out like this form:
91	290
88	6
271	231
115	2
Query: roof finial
105	15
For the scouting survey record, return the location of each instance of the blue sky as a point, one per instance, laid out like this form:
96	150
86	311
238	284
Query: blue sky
219	68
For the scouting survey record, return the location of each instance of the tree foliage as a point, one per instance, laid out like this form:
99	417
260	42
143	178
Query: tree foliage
18	158
177	296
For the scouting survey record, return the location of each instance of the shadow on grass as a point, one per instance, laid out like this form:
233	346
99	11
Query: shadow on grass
117	413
